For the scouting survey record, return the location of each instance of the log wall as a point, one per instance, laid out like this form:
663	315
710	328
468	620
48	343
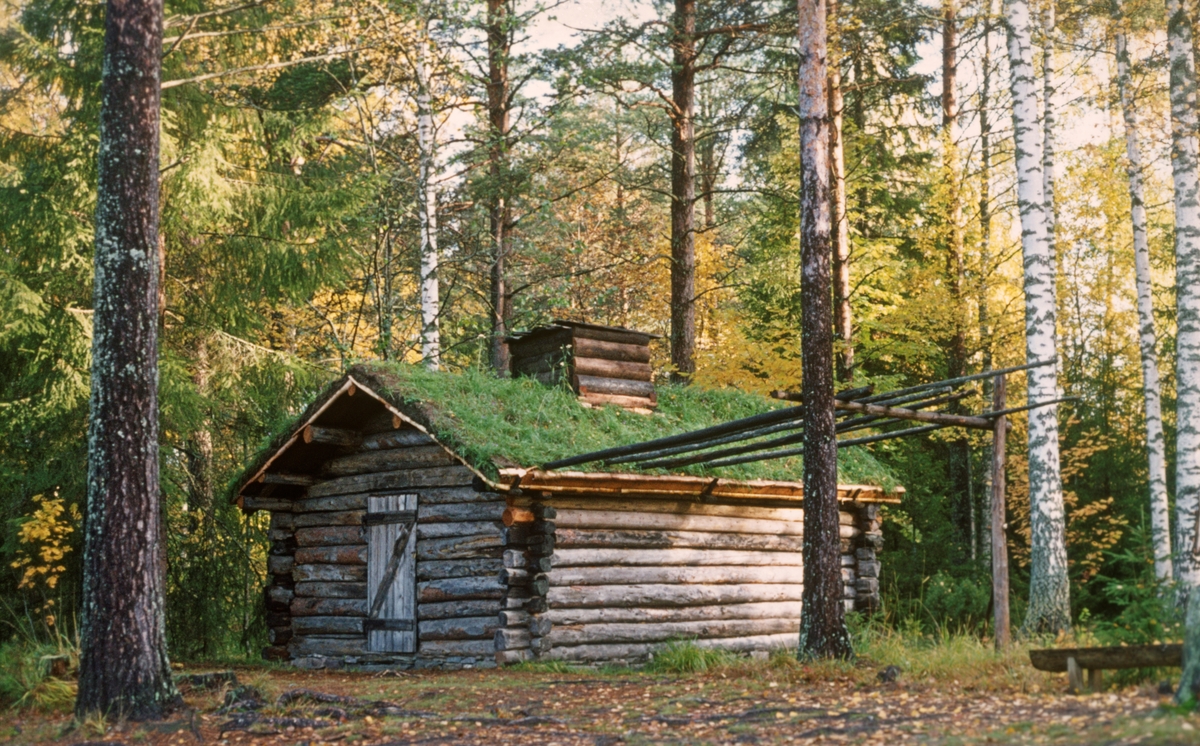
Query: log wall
622	579
317	595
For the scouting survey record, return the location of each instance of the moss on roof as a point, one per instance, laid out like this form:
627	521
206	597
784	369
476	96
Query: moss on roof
489	420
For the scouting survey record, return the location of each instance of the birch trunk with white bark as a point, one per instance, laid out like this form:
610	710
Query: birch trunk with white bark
427	211
1187	291
1160	519
1049	587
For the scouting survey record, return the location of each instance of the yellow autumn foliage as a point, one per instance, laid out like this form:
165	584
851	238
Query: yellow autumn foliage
44	542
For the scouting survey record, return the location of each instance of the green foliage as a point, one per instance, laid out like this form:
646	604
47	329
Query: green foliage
686	657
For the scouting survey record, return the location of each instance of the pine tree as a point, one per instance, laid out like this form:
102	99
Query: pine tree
123	649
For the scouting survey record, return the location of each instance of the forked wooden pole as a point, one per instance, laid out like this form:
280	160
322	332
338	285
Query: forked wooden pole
999	541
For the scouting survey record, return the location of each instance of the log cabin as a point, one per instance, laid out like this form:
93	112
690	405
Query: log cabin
410	527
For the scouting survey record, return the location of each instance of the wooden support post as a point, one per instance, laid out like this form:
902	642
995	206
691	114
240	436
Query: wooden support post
999	539
1074	677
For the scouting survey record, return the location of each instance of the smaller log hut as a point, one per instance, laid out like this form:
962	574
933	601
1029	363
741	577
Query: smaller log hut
409	527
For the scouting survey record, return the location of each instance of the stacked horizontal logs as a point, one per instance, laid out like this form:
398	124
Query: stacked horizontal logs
458	550
605	365
528	558
281	586
866	562
631	575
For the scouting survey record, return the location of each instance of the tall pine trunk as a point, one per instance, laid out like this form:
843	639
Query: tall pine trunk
123	647
1187	290
427	208
985	229
683	191
1160	519
843	320
823	632
1049	587
499	209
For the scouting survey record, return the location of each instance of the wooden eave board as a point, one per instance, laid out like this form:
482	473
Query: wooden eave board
344	411
608	484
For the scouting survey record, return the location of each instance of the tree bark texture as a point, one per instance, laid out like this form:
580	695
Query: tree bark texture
1160	519
823	632
985	218
683	191
1049	589
843	320
123	651
955	269
1048	122
499	209
1001	624
1186	181
427	209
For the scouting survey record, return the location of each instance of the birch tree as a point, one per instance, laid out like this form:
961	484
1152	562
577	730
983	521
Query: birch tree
1049	587
427	202
123	648
1160	525
1186	181
823	632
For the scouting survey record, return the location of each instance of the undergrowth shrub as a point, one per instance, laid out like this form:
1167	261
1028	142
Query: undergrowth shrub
685	656
38	663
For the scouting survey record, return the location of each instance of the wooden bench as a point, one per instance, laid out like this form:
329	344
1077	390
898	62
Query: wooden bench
1094	660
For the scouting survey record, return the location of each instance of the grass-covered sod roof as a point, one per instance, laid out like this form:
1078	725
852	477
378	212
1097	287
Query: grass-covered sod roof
493	421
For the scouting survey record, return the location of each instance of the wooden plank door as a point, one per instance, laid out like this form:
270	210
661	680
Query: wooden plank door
391	573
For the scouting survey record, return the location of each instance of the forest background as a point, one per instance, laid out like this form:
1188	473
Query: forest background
302	143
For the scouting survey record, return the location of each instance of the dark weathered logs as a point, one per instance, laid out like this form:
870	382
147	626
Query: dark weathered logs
396	439
282	477
652	595
458	648
459	628
280	564
642	539
440	476
449	609
640	615
620	387
327	645
332	590
599	367
461	547
252	503
437	569
339	518
278	596
369	462
334	573
346	554
706	575
459	589
450	512
320	536
1130	656
332	436
328	625
329	606
539	625
633	353
443	530
279	635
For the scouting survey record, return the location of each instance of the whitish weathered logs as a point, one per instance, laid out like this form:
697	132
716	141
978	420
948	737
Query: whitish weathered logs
689	557
652	595
319	536
509	657
620	387
511	639
330	606
443	530
339	518
458	648
346	554
335	573
684	507
371	461
459	628
514	618
616	519
448	609
328	625
396	439
283	521
438	569
449	512
587	634
641	651
605	538
708	574
327	645
594	366
332	590
612	350
281	564
441	476
459	589
770	610
461	547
